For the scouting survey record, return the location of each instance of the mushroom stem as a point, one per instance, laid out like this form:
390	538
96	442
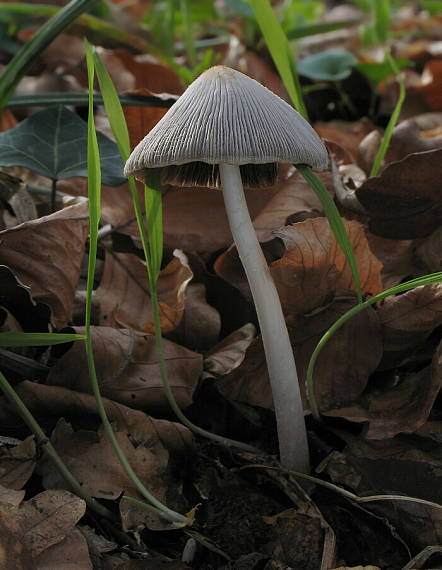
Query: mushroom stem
287	401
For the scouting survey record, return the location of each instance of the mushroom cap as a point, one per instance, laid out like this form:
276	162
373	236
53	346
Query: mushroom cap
225	116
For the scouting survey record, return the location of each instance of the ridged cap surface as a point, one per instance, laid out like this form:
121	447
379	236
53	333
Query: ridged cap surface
226	117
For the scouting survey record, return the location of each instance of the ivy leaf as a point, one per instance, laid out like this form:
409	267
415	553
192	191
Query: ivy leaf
53	142
329	65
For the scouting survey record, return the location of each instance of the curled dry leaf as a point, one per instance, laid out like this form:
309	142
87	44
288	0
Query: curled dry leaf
128	370
91	459
230	352
430	86
397	257
141	120
48	518
45	254
314	267
123	298
404	201
346	134
17	464
54	401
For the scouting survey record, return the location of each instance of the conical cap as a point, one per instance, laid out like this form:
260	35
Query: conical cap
226	117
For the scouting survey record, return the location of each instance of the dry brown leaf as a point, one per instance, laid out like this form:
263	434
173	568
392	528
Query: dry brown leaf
45	254
430	86
230	352
91	459
409	318
396	256
429	251
314	267
200	325
404	201
54	402
342	370
293	197
346	134
17	464
14	555
259	69
7	120
70	554
123	299
141	120
48	518
128	370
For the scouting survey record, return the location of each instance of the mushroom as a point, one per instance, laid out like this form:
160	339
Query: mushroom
227	130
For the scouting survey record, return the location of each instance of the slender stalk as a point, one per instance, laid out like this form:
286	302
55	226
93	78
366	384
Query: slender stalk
279	354
49	450
53	195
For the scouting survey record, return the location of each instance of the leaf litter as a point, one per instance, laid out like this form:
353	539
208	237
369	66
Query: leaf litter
377	380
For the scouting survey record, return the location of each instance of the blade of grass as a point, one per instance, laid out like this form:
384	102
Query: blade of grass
319	28
25	57
381	19
380	155
279	49
153	251
81	99
419	281
335	221
37	339
94	192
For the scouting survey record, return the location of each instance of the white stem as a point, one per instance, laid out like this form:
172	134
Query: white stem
287	401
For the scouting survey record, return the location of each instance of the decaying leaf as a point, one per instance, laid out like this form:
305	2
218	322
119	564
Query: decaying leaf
71	553
17	464
127	369
48	518
314	267
45	254
90	457
429	251
123	298
230	352
404	202
54	401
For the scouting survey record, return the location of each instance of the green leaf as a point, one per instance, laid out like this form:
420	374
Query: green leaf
329	65
53	142
381	15
319	28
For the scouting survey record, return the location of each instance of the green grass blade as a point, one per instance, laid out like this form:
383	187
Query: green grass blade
154	209
381	15
25	57
335	221
279	49
37	339
418	282
380	155
319	28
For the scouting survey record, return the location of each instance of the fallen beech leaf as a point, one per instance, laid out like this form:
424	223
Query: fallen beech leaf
404	201
45	254
257	67
431	85
14	554
17	464
71	553
342	370
91	459
123	299
141	120
7	120
10	497
397	257
293	196
48	518
128	370
54	402
313	267
429	251
409	318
